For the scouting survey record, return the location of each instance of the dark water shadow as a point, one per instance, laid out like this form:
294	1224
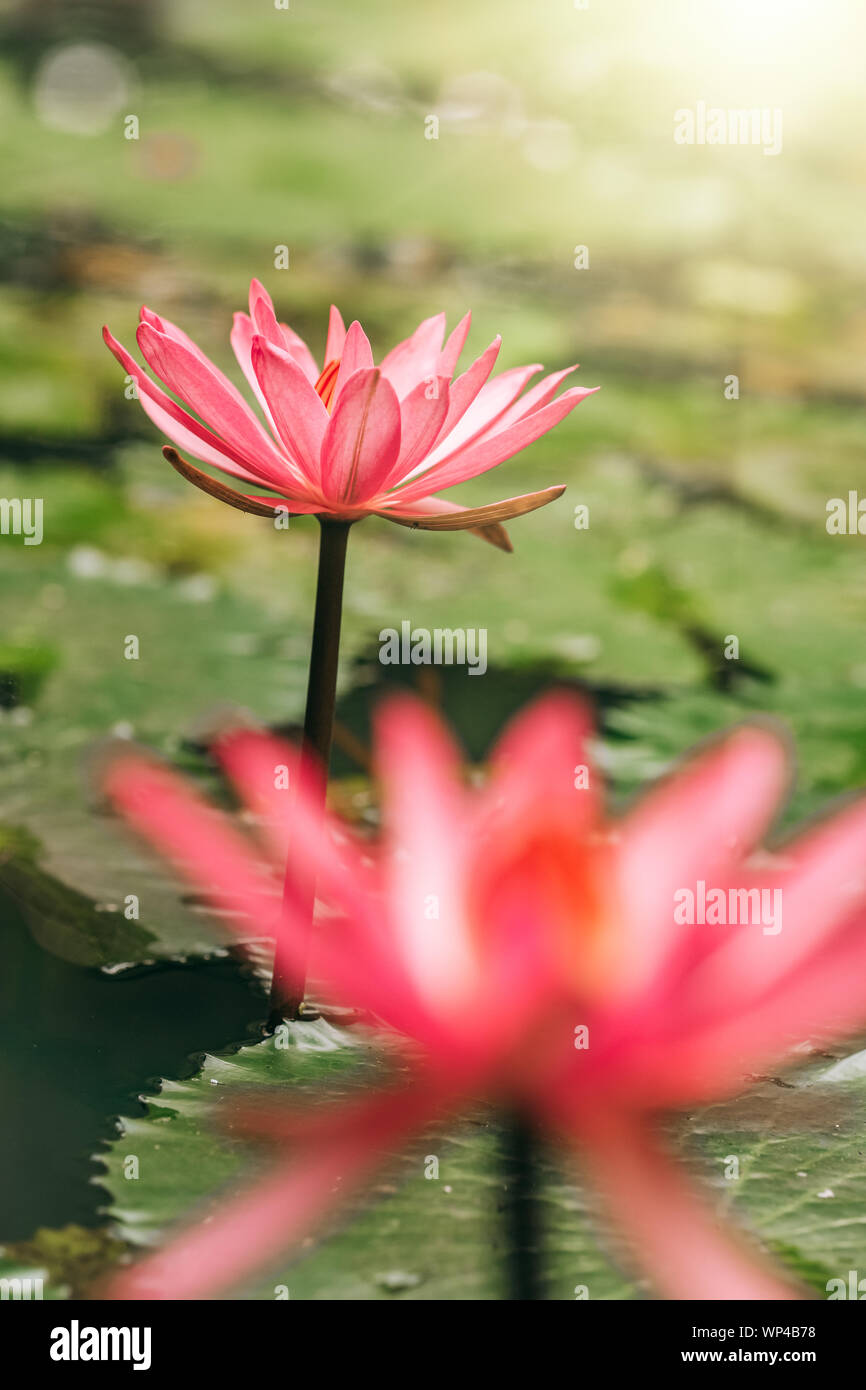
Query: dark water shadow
77	1046
476	708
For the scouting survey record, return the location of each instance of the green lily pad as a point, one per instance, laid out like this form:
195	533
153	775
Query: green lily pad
409	1235
788	1160
62	920
800	1184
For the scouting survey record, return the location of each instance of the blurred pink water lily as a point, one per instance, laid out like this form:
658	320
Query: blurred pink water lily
490	928
350	439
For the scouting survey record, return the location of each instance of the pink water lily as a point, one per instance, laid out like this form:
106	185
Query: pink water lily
351	438
491	929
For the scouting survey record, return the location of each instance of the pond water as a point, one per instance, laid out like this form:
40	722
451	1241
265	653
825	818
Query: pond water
77	1046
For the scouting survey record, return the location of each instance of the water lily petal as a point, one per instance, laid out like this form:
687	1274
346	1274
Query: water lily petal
181	427
264	319
191	378
433	507
491	403
450	354
493	449
424	817
421	415
416	358
456	518
336	336
362	441
357	354
706	817
243	502
299	415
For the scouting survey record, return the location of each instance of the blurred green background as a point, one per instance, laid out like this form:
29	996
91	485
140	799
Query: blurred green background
261	127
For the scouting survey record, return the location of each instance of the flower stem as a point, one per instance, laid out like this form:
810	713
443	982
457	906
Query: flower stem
523	1231
289	980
